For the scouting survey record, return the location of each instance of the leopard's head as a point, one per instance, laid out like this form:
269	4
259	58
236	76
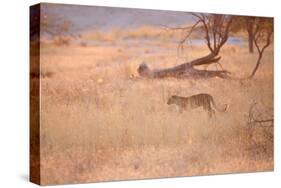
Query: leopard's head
171	100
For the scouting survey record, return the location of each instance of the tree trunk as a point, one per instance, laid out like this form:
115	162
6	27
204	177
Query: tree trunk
251	36
257	66
251	42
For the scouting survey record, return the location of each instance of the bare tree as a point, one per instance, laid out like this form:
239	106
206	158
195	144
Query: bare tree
250	23
216	30
263	30
245	23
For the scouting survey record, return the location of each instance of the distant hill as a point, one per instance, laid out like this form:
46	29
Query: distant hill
89	17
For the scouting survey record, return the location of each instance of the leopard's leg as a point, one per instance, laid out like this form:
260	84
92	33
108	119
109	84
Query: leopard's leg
211	112
180	110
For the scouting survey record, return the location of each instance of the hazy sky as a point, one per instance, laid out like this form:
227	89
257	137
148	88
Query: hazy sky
88	17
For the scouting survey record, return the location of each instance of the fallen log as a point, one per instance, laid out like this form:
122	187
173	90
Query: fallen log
187	72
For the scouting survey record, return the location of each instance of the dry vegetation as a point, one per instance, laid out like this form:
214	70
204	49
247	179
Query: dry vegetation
144	32
99	121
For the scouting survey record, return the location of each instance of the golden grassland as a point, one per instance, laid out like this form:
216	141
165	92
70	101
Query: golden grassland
100	121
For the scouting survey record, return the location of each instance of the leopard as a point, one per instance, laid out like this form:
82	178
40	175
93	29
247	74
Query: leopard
194	101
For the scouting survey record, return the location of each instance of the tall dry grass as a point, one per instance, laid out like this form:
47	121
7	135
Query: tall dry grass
99	121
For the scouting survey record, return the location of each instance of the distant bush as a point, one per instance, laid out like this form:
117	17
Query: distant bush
62	40
83	44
